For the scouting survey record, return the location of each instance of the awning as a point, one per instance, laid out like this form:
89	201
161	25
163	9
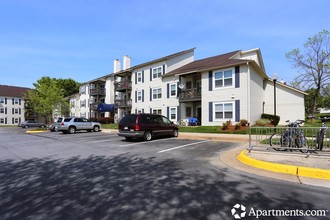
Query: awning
105	107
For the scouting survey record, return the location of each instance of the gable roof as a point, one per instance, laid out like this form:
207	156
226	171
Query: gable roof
209	63
13	91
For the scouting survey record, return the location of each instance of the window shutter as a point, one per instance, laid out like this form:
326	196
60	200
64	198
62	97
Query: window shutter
13	111
150	110
163	69
19	120
178	113
210	80
237	111
12	101
168	90
142	95
135	77
237	77
168	112
5	120
6	110
12	121
143	110
5	101
142	76
177	89
150	75
19	111
20	101
135	96
135	111
210	111
150	94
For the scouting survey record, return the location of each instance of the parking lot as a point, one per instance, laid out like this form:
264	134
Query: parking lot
19	145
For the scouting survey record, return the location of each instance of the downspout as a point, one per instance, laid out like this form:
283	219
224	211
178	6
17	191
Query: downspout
248	82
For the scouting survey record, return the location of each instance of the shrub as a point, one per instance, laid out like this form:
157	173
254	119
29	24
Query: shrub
263	122
105	120
225	126
237	126
243	122
274	120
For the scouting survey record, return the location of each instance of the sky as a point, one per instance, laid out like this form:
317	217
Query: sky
80	39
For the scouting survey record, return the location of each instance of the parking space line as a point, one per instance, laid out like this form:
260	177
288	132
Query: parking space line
142	142
100	141
186	145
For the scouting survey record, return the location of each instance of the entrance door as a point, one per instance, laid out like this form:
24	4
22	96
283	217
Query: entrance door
199	115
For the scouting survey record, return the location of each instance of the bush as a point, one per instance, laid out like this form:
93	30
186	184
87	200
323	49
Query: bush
225	126
105	120
243	122
323	116
237	126
274	120
263	122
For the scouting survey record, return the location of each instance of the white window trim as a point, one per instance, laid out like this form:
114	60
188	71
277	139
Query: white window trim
176	90
224	119
139	94
161	72
139	78
176	113
161	95
16	101
224	87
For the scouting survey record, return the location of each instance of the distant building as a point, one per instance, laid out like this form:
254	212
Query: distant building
12	105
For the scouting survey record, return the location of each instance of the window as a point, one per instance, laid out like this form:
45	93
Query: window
224	111
2	120
16	120
188	111
16	111
16	101
139	111
2	100
139	96
173	90
83	90
139	77
83	104
157	93
157	72
188	85
173	112
223	79
157	111
73	103
2	110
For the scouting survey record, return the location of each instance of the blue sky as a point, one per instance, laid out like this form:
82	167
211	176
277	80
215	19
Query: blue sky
80	39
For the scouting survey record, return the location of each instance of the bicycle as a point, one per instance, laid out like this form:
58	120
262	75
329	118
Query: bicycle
320	136
292	137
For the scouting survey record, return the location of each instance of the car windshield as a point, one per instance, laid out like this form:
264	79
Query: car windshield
128	119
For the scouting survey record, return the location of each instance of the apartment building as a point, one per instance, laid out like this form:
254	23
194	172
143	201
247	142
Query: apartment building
12	111
231	86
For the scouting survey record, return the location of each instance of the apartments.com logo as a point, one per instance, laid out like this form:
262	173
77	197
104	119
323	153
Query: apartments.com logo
239	211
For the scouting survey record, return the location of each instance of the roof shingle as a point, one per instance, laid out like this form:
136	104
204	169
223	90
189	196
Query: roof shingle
13	91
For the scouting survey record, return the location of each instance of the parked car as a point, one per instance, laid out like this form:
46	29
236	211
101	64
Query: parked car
73	124
56	124
146	126
31	123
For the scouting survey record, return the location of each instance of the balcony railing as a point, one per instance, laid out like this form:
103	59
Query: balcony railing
97	91
187	95
122	103
123	85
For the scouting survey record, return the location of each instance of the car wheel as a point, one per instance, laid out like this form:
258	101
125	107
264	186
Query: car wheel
72	130
147	136
175	132
26	126
96	128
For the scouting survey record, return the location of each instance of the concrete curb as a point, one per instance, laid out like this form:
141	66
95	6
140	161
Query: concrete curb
35	131
286	169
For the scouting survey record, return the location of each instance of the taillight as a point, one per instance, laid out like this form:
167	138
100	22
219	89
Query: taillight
62	123
137	127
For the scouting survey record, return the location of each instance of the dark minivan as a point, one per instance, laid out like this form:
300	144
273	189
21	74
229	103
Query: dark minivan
146	126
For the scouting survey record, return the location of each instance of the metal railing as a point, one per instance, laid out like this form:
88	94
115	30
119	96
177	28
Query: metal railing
190	94
123	85
97	91
304	139
122	103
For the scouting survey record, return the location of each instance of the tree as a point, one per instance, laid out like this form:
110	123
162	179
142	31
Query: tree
313	64
49	94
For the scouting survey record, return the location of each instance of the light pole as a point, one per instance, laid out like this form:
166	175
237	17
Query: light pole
274	78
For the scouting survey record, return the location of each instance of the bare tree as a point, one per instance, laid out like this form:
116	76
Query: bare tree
313	64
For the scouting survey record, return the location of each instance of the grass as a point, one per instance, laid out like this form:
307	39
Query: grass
110	126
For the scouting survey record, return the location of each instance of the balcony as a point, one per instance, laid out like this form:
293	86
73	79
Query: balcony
123	103
189	95
97	91
123	85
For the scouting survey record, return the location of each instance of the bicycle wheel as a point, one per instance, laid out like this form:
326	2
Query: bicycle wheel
301	142
276	141
320	139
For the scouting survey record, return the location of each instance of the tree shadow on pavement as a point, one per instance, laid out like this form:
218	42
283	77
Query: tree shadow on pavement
124	187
